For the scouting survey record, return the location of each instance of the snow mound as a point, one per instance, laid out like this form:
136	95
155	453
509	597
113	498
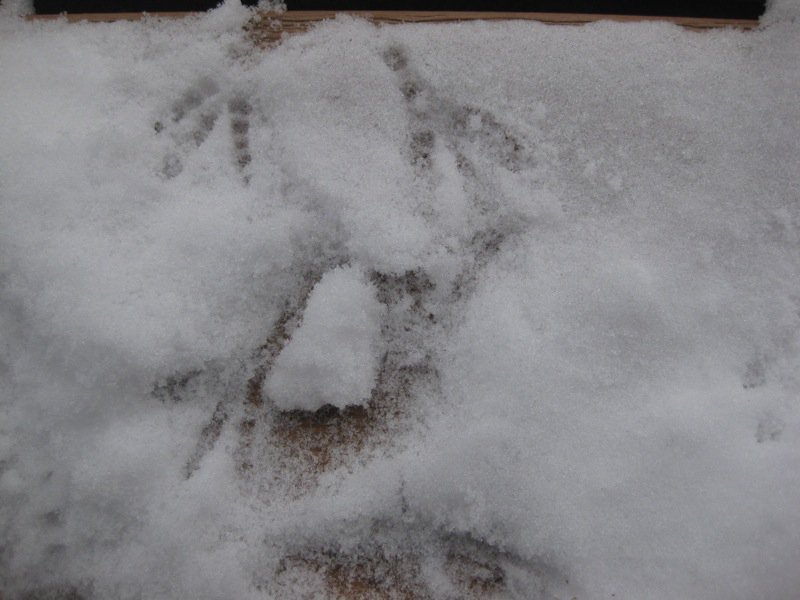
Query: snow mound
333	357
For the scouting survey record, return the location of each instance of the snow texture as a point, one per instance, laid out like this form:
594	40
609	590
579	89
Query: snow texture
334	355
781	10
548	279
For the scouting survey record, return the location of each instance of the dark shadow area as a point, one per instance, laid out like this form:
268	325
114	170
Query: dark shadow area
720	9
54	7
734	9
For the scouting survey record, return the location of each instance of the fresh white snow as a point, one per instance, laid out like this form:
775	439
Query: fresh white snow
550	276
334	355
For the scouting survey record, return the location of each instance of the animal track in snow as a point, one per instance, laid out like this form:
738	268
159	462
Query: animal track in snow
477	142
755	374
239	110
57	592
297	445
466	568
193	117
300	445
769	429
460	127
282	454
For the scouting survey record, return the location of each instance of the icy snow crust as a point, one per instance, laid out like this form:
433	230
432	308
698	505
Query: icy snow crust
577	254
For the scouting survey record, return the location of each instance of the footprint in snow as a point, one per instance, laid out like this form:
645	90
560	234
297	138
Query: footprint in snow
467	130
193	117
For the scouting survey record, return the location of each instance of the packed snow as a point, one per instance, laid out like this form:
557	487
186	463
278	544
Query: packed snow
334	355
480	310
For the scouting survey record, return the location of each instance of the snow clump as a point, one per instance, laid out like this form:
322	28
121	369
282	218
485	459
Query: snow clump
333	357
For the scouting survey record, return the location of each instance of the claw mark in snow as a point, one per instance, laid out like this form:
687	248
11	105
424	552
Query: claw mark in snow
192	119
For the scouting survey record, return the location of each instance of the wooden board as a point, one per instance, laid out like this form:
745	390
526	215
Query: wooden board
269	27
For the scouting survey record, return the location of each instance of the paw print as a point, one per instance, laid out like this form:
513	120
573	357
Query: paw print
471	135
192	118
755	373
769	428
469	130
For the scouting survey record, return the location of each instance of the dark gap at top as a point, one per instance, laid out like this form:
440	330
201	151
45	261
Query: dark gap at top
716	9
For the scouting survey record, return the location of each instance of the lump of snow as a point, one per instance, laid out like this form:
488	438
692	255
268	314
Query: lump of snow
334	355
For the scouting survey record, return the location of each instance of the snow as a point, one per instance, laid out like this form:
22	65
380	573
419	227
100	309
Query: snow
780	10
547	278
334	355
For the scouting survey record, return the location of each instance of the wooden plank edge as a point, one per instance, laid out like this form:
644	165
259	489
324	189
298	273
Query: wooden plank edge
109	17
314	16
553	18
269	27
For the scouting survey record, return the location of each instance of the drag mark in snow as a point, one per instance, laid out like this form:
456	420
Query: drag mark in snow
182	387
484	245
192	384
208	438
256	419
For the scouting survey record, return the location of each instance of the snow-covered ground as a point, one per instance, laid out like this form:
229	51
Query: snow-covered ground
549	275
